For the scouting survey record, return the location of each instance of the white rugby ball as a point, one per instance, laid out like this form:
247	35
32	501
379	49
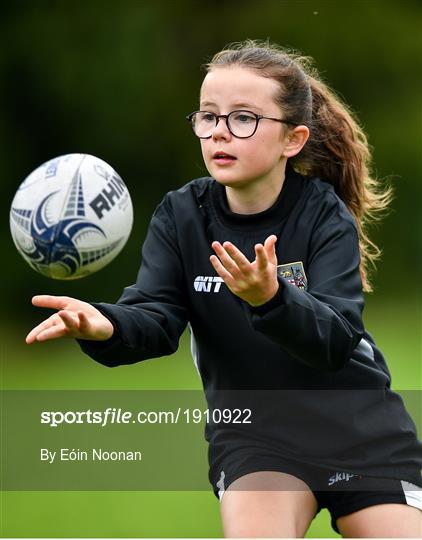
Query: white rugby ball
71	216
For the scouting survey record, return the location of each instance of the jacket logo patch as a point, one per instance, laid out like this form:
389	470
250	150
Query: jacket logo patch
294	273
207	284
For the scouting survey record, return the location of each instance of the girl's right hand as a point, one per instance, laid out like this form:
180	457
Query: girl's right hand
74	319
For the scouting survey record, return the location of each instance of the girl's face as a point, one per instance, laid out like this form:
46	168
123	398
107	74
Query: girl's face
259	159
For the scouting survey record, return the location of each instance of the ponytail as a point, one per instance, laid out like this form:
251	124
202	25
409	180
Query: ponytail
337	150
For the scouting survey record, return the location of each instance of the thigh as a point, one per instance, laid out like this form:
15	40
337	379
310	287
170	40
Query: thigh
382	520
267	504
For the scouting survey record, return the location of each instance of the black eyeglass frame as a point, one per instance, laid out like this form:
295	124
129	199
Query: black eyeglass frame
258	117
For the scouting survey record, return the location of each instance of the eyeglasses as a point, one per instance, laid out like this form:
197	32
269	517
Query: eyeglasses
241	124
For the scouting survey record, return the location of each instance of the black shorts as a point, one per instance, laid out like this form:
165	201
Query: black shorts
340	492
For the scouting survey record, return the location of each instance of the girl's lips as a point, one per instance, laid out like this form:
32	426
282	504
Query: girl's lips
226	160
222	158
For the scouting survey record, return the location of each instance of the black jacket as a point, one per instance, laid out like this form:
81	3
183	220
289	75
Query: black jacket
309	341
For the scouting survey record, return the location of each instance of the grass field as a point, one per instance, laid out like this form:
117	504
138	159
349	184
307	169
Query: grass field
60	365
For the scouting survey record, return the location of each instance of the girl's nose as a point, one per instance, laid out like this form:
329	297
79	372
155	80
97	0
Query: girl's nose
221	130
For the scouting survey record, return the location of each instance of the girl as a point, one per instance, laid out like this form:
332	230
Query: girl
267	261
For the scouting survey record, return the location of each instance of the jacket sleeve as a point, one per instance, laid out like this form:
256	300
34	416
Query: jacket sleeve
151	315
322	325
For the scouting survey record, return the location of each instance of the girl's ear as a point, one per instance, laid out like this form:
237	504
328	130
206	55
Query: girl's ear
295	141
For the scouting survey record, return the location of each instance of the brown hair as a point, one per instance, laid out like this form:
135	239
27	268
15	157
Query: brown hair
337	150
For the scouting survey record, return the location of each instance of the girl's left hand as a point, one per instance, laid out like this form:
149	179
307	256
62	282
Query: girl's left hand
255	282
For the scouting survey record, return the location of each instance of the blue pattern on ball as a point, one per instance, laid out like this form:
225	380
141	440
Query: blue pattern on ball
54	244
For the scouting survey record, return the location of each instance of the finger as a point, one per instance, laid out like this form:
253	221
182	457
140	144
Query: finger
238	257
261	257
55	332
270	241
225	258
48	301
221	271
70	321
48	323
84	323
269	246
85	326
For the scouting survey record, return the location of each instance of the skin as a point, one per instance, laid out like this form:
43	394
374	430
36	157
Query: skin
267	504
382	521
74	319
254	181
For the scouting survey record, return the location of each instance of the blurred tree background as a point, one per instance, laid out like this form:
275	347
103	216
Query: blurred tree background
116	79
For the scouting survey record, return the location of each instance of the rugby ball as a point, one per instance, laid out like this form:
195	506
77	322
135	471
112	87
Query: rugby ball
71	216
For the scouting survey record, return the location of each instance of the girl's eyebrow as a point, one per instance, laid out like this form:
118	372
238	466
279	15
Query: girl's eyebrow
238	105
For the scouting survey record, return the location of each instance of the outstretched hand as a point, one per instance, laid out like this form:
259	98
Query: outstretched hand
75	319
255	282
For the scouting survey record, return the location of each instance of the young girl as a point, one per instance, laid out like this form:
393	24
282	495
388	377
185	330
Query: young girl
267	261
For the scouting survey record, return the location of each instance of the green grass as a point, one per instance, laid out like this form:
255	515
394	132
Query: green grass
60	365
121	514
